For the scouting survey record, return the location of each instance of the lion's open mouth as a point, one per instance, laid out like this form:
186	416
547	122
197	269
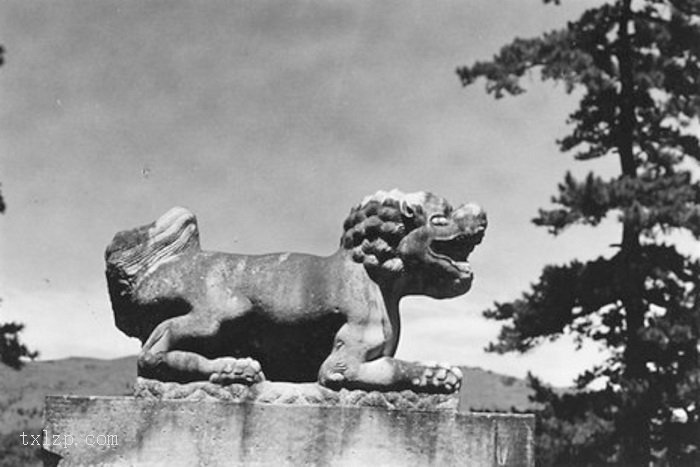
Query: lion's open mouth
456	250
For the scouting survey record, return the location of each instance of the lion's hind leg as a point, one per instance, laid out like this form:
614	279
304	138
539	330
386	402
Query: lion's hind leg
354	364
164	358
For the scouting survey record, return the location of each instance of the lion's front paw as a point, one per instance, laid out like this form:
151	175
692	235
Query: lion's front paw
438	377
229	370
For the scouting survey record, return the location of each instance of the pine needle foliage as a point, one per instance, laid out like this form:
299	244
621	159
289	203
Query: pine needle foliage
636	65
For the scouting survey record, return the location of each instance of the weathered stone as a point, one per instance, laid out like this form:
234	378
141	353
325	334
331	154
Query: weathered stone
165	432
268	392
229	318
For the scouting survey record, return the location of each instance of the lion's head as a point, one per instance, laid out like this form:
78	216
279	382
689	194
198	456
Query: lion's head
418	237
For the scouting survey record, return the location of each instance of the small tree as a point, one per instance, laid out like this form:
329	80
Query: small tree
12	351
638	66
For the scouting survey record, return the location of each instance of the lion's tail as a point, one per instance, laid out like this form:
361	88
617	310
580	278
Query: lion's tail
135	254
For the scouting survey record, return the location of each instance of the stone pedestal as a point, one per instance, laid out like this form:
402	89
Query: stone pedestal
196	428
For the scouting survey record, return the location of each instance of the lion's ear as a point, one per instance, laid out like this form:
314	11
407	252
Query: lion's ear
406	209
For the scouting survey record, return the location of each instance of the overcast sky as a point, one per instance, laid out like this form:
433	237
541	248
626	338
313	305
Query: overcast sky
269	120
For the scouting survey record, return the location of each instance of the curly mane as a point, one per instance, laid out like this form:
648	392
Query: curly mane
374	228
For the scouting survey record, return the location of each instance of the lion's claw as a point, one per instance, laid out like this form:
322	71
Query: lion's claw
229	370
439	378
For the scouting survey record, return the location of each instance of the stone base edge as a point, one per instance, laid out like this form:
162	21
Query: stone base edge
268	392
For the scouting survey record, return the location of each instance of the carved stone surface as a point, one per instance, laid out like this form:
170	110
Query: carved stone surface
230	318
116	431
268	392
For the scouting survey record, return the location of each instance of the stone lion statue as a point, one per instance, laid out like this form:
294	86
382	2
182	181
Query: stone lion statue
226	318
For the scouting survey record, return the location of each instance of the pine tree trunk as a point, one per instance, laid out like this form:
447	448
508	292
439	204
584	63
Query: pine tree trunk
636	446
631	281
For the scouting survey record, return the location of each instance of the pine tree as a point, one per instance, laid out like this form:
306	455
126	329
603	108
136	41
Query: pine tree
637	65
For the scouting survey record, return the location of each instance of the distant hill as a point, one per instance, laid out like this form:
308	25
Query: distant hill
486	391
22	392
22	396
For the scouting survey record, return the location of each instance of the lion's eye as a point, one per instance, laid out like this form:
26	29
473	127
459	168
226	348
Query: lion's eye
439	220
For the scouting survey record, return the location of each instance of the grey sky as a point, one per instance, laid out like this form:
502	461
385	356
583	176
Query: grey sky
269	120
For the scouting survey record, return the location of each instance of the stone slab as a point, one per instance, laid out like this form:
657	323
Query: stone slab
83	431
